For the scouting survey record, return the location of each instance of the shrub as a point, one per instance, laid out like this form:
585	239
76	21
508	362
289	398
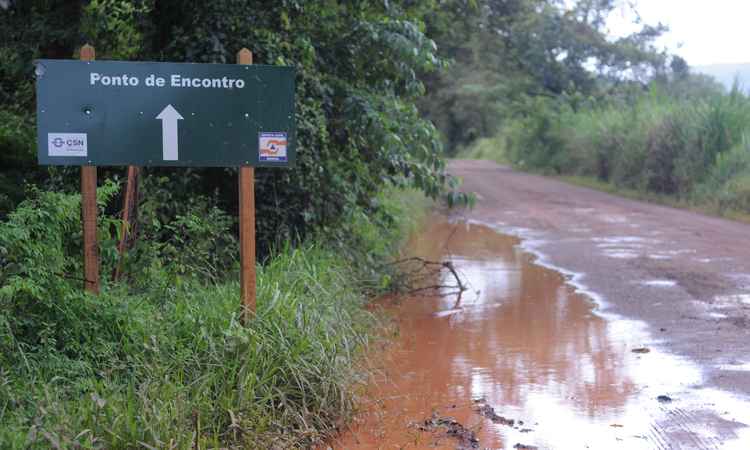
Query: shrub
534	139
40	299
727	182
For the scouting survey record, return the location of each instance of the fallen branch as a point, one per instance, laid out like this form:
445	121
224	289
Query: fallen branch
428	270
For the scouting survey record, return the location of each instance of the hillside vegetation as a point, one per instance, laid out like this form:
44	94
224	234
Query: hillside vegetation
692	148
728	74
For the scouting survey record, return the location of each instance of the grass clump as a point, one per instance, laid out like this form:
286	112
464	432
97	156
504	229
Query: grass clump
163	361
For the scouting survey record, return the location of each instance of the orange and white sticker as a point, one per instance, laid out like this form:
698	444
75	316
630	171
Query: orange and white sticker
272	147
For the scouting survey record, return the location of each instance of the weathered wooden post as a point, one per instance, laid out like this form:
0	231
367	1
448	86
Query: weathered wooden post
89	210
247	224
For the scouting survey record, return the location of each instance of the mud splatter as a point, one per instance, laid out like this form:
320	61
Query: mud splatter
489	412
451	428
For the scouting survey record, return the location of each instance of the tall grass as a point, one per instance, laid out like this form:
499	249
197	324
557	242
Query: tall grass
692	148
183	369
170	365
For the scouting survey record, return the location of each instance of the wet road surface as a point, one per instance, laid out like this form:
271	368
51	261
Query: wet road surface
523	358
549	339
686	275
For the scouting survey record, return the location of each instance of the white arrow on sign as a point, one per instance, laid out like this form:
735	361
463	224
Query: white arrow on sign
169	117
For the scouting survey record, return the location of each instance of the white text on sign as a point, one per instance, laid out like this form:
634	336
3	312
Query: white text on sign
175	81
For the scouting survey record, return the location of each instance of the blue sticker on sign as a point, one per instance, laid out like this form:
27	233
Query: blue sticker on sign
272	147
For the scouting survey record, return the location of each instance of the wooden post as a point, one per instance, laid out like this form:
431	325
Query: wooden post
89	211
128	211
247	225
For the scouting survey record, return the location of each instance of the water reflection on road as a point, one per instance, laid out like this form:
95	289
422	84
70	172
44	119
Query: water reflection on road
525	343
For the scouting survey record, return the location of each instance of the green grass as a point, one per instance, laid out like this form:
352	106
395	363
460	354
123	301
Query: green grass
170	365
688	150
187	371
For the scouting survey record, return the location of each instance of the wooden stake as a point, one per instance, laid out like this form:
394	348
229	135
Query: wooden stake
89	211
247	225
128	220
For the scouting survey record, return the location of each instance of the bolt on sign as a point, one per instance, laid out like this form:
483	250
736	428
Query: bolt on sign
115	113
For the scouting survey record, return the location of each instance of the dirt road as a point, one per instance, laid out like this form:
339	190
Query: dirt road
686	275
591	321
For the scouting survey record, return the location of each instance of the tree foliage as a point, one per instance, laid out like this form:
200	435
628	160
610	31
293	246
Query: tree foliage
358	66
505	52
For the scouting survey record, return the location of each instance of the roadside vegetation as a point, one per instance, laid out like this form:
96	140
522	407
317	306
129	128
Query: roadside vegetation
687	150
162	361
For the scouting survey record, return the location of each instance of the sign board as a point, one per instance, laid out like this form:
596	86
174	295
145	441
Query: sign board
113	113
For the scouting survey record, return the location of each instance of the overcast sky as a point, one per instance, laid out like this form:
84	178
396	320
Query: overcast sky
701	31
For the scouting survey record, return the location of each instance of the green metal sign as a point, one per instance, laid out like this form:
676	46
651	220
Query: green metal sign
113	113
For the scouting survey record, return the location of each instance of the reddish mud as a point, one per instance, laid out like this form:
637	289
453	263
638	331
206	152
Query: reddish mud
655	356
521	361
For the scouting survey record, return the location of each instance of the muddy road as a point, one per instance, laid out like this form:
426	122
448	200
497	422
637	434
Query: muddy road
591	321
681	272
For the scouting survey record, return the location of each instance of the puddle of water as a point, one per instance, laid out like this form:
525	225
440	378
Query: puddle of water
741	367
618	245
613	219
678	252
660	257
715	315
531	347
731	301
660	283
623	240
619	254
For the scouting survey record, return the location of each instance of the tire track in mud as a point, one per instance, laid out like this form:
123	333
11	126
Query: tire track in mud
687	424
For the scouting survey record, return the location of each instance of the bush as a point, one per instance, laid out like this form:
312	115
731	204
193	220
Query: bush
737	194
534	139
491	148
727	183
180	237
17	149
40	285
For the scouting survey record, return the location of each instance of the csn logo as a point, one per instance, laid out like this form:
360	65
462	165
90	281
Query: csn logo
67	144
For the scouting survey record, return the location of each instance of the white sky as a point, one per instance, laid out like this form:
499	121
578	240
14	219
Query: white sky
701	31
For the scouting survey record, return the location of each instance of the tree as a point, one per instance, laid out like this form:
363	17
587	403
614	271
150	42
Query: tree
527	48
